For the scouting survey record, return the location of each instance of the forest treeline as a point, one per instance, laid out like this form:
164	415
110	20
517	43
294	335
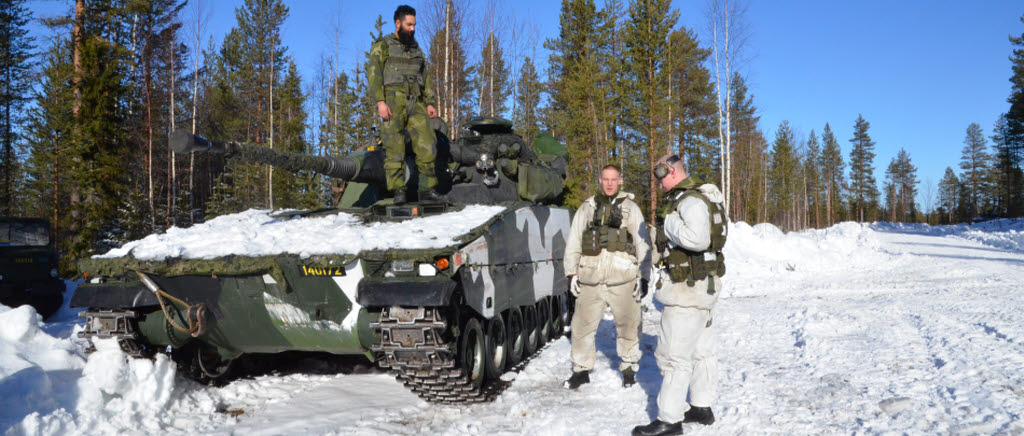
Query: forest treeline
86	112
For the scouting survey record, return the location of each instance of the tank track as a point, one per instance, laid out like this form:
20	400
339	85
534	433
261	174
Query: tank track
413	346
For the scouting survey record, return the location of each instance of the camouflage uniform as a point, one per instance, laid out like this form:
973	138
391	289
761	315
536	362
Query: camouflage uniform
397	76
609	262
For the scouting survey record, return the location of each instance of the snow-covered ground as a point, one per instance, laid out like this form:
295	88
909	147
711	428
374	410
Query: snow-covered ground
863	329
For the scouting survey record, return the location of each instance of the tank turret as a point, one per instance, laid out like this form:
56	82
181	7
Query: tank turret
487	164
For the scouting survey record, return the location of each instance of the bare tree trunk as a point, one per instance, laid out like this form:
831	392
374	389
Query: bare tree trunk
147	70
718	89
270	168
195	99
172	191
76	108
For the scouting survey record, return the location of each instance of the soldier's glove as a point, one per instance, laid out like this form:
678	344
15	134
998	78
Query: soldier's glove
661	239
641	289
574	285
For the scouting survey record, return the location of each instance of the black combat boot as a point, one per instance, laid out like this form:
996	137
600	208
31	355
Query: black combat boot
431	195
399	196
628	377
700	415
658	428
578	379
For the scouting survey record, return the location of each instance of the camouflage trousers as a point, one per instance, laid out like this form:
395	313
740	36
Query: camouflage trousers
408	114
590	305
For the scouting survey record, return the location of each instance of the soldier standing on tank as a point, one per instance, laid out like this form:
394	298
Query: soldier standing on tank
688	243
606	254
401	86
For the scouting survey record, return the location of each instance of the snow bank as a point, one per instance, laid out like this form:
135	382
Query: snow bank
257	233
762	250
35	368
1007	234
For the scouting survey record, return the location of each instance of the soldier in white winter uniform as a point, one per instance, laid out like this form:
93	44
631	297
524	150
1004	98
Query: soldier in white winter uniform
688	248
607	251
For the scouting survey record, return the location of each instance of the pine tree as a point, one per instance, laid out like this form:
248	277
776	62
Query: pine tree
812	183
949	192
526	117
15	84
98	148
252	60
692	108
1007	176
974	162
901	188
450	70
863	188
48	131
493	80
832	169
292	190
572	114
750	160
1012	135
646	40
783	179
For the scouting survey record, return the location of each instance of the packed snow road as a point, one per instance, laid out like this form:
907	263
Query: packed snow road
854	329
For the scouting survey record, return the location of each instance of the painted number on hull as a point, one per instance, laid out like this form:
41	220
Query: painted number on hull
315	271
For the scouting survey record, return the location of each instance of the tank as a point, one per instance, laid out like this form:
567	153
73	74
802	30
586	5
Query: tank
28	265
448	295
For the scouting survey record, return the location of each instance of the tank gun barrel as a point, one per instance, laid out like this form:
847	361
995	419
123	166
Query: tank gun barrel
182	142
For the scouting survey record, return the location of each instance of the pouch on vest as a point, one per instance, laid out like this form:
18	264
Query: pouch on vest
678	266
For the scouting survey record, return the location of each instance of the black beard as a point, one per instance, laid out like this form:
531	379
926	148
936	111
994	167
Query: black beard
406	38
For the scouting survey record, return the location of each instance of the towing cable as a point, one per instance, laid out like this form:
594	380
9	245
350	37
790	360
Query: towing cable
193	314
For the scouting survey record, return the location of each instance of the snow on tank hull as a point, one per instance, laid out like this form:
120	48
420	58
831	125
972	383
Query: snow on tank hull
449	319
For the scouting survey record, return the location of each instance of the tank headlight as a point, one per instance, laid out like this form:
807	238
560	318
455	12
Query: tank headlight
53	272
402	265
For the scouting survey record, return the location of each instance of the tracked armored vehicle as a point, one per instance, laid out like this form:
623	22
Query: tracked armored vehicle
448	295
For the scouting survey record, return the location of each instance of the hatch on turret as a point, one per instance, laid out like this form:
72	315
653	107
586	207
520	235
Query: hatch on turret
489	125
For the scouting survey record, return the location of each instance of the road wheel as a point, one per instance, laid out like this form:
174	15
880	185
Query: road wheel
516	336
472	354
497	346
531	326
557	316
543	321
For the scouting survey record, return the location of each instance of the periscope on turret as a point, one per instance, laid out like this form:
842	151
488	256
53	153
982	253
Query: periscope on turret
447	294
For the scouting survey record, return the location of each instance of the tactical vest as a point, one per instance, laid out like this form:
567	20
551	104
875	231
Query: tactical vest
693	266
403	66
605	231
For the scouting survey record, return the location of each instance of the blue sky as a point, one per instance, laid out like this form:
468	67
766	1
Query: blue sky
919	71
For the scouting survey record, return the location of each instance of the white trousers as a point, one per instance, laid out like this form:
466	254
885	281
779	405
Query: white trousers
590	306
686	357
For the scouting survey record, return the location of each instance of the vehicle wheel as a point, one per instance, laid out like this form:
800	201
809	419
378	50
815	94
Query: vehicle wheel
497	347
532	328
557	316
211	365
516	336
543	321
472	354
